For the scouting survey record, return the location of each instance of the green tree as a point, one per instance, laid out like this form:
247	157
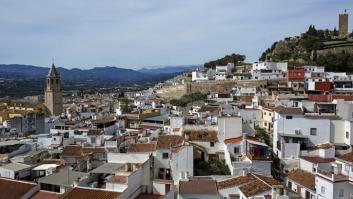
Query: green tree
233	58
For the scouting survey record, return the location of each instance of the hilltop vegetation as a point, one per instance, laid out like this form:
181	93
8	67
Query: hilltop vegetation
233	58
314	47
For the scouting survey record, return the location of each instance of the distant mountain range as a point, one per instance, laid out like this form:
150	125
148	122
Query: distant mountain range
168	69
24	80
97	74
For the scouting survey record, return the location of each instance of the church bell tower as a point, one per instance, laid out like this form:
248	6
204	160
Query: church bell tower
53	96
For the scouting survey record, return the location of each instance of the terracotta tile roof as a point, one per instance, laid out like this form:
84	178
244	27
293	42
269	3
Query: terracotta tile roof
233	140
202	135
235	181
254	187
86	193
212	109
346	157
204	186
53	161
169	141
303	178
142	147
288	110
176	129
238	139
118	179
11	189
268	108
72	150
267	180
45	195
321	146
317	159
150	126
94	132
94	150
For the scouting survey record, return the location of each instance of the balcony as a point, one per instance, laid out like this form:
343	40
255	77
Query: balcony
332	176
253	156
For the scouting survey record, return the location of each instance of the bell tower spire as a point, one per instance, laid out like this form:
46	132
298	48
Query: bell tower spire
53	95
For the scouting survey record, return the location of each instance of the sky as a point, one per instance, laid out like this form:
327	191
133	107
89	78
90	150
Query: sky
139	33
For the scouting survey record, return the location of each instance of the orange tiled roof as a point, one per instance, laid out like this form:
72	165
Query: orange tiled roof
94	150
169	141
45	195
72	150
87	193
202	135
204	186
254	187
233	140
346	157
303	178
142	147
11	189
235	181
288	110
317	159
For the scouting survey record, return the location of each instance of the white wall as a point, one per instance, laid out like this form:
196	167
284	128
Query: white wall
229	127
182	163
289	126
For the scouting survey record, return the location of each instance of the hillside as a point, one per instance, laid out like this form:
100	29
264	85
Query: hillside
319	47
22	80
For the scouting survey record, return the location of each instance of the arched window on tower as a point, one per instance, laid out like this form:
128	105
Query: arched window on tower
51	81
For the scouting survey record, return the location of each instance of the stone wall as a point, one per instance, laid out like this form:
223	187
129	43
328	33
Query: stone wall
219	86
172	92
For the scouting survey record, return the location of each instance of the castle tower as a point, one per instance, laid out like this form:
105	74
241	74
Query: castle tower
343	25
53	96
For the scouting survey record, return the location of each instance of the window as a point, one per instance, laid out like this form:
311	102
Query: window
289	184
346	168
161	173
165	155
236	149
212	144
313	131
341	193
264	113
270	114
168	174
323	189
289	117
347	134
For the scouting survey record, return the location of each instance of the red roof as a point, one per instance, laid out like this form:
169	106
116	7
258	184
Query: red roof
45	195
88	193
296	74
233	140
323	86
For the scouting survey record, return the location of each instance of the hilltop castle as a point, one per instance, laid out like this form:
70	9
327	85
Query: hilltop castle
343	25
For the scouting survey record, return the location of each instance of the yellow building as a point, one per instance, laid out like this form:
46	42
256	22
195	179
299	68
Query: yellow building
4	116
267	119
